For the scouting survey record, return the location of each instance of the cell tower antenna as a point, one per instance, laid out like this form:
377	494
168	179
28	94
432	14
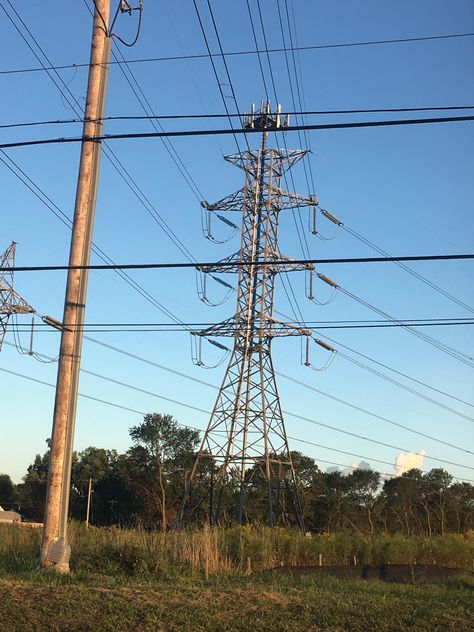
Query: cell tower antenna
11	302
245	440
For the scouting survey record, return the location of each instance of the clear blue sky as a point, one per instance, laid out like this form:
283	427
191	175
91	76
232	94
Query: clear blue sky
408	189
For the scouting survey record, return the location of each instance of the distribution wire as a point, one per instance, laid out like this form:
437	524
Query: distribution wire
118	165
235	131
54	208
239	115
402	40
167	327
227	264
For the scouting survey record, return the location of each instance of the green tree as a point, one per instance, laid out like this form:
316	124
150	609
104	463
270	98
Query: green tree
8	493
162	451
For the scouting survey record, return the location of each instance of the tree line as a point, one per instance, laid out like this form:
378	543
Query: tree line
145	486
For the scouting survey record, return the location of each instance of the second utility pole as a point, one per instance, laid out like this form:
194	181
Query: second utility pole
55	550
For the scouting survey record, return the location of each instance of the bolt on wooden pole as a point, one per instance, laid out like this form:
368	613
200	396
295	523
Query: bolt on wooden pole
55	551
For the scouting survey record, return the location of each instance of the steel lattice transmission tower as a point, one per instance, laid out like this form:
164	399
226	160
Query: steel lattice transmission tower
246	439
11	302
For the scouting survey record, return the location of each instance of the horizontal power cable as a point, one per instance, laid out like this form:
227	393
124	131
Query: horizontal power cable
400	40
168	328
231	264
238	115
185	405
216	132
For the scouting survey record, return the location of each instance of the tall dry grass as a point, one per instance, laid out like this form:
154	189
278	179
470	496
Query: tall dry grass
212	551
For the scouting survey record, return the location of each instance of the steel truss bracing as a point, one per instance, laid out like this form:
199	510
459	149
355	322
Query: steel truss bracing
10	302
245	441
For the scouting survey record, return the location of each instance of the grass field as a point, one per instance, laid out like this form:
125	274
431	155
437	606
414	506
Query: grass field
125	580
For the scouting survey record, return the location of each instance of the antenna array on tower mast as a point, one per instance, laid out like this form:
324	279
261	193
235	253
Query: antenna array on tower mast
245	443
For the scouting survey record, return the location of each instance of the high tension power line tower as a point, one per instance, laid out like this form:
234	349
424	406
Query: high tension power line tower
245	439
11	303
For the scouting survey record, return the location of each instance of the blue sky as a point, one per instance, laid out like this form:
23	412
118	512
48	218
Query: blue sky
407	189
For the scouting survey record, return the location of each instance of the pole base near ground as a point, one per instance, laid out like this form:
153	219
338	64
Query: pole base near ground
58	556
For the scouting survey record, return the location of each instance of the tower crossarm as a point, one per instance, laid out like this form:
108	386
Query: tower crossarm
281	200
268	328
287	199
232	202
280	328
12	303
234	263
285	158
227	328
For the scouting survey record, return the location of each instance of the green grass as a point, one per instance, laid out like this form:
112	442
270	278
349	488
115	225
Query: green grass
125	580
269	603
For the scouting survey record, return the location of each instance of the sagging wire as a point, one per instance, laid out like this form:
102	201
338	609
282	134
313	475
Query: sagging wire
206	225
196	351
310	287
332	218
305	353
201	288
125	7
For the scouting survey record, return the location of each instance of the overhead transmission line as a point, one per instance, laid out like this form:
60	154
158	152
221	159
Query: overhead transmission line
235	131
195	408
458	355
340	224
399	384
140	326
225	264
147	108
112	157
402	40
298	382
397	372
216	74
396	383
63	221
239	115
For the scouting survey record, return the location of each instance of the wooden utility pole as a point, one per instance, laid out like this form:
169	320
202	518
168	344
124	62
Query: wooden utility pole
55	550
88	508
